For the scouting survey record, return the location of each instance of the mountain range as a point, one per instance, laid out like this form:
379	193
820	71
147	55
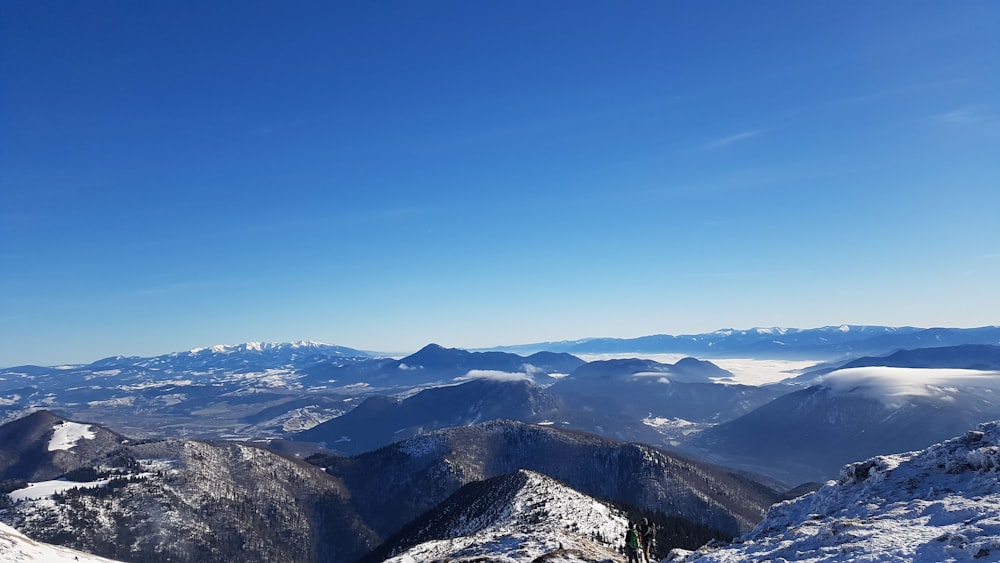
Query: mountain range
302	394
177	499
830	342
938	504
402	451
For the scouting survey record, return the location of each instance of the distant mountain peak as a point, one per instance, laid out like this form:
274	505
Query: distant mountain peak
436	349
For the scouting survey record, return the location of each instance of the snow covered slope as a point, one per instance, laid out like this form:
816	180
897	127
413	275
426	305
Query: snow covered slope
939	504
43	446
517	517
187	500
15	547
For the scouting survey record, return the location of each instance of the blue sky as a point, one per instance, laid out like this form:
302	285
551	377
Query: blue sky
384	175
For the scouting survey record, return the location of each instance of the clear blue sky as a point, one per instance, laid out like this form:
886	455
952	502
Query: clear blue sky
386	174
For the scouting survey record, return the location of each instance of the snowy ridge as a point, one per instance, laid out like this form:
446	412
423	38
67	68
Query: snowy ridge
938	504
260	347
15	547
521	517
186	500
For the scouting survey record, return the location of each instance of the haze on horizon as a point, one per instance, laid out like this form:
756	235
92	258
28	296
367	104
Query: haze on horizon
480	174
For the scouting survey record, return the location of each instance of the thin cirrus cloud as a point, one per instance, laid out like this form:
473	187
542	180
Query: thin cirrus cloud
729	140
968	116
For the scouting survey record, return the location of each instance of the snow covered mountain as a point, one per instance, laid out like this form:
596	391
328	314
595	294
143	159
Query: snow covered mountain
189	500
248	391
220	391
15	547
828	342
177	500
397	483
622	399
939	504
43	446
249	356
522	516
853	414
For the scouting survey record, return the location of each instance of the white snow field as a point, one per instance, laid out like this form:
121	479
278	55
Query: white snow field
15	547
935	505
45	489
66	435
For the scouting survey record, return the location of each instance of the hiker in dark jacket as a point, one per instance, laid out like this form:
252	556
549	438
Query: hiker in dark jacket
633	543
647	533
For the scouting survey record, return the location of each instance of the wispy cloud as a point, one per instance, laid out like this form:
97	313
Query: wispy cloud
900	91
976	116
962	116
726	141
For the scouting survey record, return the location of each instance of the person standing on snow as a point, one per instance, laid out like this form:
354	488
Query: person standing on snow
647	533
633	543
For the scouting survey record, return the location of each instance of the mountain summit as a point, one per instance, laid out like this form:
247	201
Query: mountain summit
517	517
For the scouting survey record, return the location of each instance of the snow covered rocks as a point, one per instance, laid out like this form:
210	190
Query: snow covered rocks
938	504
518	517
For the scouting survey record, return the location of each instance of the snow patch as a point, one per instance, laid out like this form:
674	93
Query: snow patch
45	489
67	434
15	547
660	422
116	402
156	384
